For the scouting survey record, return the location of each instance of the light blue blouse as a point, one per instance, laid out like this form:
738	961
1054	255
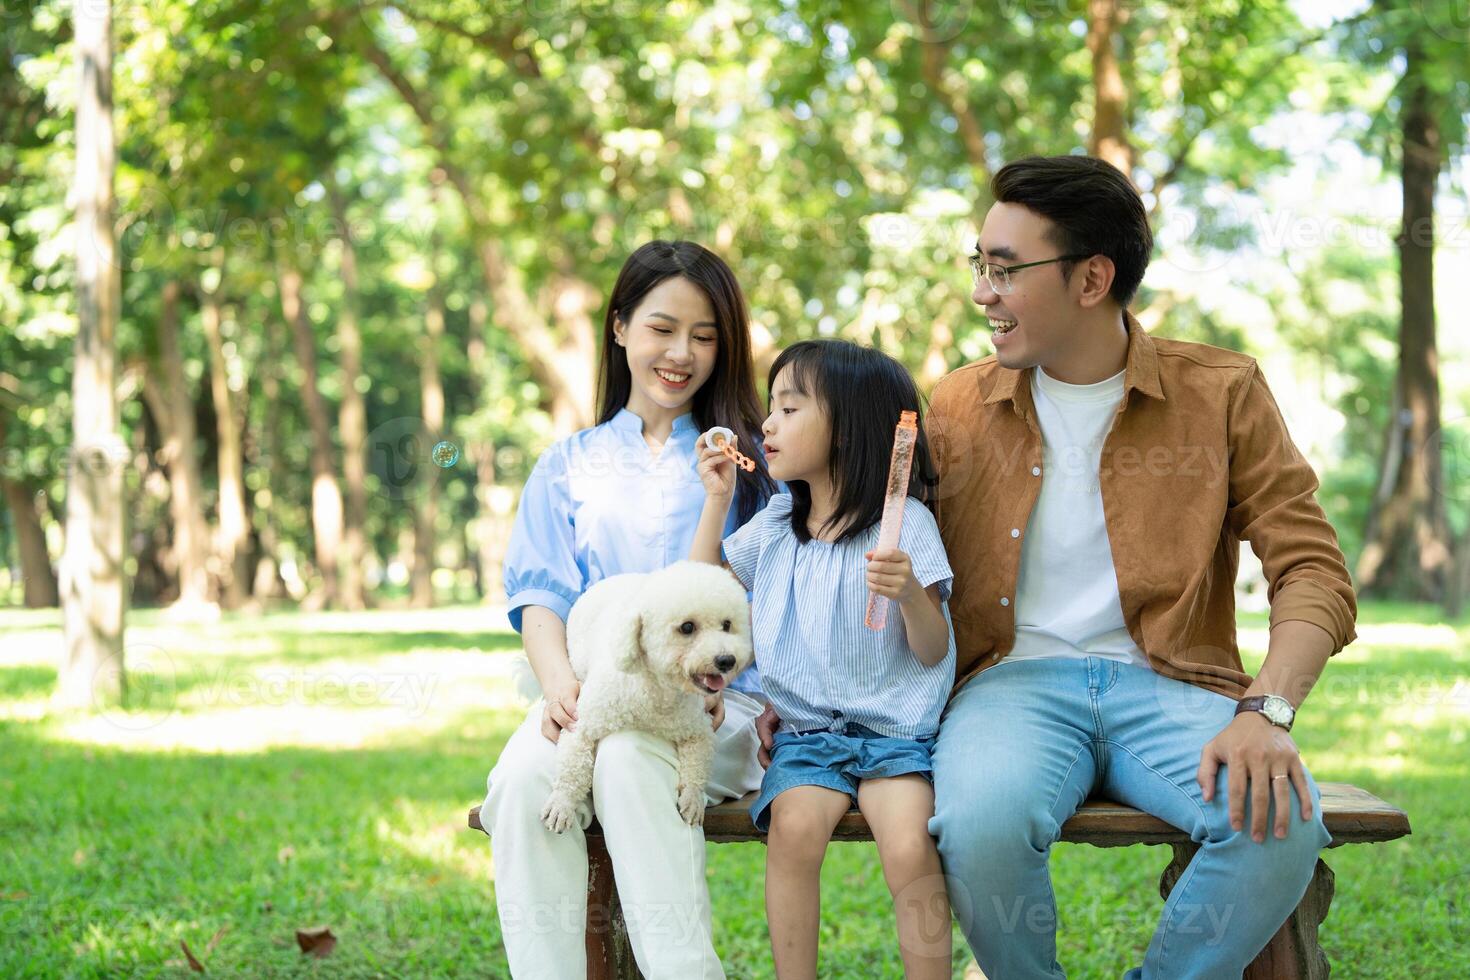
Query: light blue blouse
600	502
820	666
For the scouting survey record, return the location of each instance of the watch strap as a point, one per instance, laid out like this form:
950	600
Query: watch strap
1258	704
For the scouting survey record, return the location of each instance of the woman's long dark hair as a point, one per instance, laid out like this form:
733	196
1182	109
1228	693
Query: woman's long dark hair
729	397
863	391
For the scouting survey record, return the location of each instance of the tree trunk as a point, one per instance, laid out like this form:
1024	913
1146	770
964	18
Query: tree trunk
1459	587
38	581
267	583
37	578
1109	140
431	389
232	540
492	502
174	411
326	496
352	422
1407	543
155	577
93	598
573	302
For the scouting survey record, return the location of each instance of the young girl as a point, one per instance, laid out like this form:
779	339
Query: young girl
859	708
624	496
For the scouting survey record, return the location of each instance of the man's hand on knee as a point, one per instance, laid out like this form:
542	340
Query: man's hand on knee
1261	760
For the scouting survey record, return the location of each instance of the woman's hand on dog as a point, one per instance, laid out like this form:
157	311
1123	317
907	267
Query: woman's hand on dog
560	711
716	472
714	706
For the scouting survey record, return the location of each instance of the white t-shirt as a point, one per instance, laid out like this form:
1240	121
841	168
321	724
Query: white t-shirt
1067	601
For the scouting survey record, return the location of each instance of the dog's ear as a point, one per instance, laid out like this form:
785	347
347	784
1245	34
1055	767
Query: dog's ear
627	641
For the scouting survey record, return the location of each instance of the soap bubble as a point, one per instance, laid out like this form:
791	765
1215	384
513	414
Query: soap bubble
445	454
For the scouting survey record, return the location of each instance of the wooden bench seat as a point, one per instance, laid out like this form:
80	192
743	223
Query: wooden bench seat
1352	816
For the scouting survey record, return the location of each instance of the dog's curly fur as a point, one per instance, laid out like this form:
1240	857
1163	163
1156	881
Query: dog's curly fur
648	648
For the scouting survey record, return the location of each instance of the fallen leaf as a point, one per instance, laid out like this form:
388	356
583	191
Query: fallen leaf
318	942
14	896
214	940
194	963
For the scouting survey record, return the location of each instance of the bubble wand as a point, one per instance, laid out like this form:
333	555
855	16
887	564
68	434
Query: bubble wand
899	467
723	440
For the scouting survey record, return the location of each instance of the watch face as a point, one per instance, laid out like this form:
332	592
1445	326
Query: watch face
1277	710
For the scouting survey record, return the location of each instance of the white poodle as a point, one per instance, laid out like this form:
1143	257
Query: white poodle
648	648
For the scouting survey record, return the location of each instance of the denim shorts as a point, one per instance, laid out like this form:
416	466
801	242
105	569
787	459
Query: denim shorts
837	761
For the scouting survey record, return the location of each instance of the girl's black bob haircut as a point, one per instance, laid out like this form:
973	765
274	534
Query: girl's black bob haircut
863	391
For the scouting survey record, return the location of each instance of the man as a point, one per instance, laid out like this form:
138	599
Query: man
1095	485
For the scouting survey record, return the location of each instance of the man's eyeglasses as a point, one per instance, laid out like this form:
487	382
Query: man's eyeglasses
999	276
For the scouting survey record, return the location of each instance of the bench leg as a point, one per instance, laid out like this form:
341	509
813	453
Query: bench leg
609	954
1293	953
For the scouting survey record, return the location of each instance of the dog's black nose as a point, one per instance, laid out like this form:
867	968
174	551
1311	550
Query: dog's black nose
724	662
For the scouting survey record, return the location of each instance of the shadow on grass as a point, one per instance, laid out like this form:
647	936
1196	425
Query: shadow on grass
345	643
168	679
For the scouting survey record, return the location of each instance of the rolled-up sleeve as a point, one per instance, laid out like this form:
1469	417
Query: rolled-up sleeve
1273	505
541	566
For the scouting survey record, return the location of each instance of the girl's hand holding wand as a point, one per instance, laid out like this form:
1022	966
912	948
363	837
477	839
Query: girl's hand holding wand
716	460
891	575
716	468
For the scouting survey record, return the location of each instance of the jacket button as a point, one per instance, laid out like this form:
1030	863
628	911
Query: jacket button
1004	601
1015	532
1036	471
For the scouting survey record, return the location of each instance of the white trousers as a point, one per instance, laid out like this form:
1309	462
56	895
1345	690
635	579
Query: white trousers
658	859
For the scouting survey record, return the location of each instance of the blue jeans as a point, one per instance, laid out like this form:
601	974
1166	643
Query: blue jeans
837	761
1022	746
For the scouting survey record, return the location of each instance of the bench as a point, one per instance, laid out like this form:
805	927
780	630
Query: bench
1352	816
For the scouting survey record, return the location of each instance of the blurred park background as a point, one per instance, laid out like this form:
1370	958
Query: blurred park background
294	292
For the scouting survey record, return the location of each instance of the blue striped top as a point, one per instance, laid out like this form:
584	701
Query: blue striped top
820	666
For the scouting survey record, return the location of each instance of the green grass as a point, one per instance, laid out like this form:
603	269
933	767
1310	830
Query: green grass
294	770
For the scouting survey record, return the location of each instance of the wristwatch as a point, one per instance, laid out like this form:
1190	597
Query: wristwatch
1278	710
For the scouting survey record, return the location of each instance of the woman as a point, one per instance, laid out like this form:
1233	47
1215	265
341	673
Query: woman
624	496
